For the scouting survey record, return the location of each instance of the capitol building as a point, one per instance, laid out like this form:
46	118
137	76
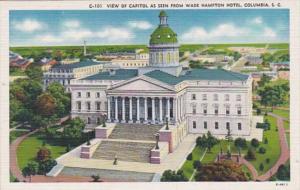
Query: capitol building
190	100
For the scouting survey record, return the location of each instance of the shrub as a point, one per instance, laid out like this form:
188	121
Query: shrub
197	164
267	160
170	175
254	143
43	154
283	172
190	156
262	150
266	141
68	148
95	178
250	154
261	167
258	111
240	142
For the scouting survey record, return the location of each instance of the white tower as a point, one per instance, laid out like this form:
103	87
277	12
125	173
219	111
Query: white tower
84	48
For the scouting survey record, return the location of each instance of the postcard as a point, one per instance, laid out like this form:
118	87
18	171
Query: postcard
181	94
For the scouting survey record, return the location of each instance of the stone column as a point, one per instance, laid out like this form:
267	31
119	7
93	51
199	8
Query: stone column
116	109
130	109
108	109
138	109
123	110
168	108
174	109
153	110
160	110
146	110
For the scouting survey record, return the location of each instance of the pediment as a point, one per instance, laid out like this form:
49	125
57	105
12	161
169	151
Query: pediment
142	84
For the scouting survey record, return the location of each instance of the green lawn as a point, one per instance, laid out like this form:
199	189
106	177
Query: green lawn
273	148
247	172
286	125
288	138
282	113
13	135
188	164
29	147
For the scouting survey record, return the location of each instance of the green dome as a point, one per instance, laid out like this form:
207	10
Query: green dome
163	35
162	13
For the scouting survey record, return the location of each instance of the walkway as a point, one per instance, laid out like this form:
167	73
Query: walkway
14	168
285	152
284	155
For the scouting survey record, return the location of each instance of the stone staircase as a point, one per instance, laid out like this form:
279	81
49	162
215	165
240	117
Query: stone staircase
124	150
135	132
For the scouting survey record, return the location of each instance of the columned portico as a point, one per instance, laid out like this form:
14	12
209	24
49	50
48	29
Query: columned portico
144	109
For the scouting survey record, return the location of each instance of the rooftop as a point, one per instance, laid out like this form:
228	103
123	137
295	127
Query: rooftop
197	74
120	74
85	63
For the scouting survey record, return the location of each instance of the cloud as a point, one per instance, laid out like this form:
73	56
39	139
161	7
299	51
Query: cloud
220	31
29	25
48	38
77	34
268	32
257	20
114	34
71	24
141	25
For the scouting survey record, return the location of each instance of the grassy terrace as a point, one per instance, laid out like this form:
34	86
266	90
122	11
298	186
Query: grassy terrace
273	148
188	164
272	151
29	147
282	113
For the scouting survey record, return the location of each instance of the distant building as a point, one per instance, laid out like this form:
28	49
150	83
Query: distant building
280	65
17	61
63	73
284	74
254	59
46	63
70	61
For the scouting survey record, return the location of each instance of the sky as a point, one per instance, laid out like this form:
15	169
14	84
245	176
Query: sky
106	27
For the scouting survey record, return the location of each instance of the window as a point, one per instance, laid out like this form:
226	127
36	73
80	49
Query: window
98	95
216	125
205	110
205	124
194	109
88	94
88	106
227	125
238	98
227	110
78	94
79	106
193	96
226	97
239	110
204	96
239	126
98	106
194	124
88	120
216	110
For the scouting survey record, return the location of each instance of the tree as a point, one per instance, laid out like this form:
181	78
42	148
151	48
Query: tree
43	154
254	142
34	73
250	154
220	171
46	166
207	141
73	132
262	150
61	97
170	175
190	156
197	164
265	79
283	172
240	142
30	170
261	167
45	105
